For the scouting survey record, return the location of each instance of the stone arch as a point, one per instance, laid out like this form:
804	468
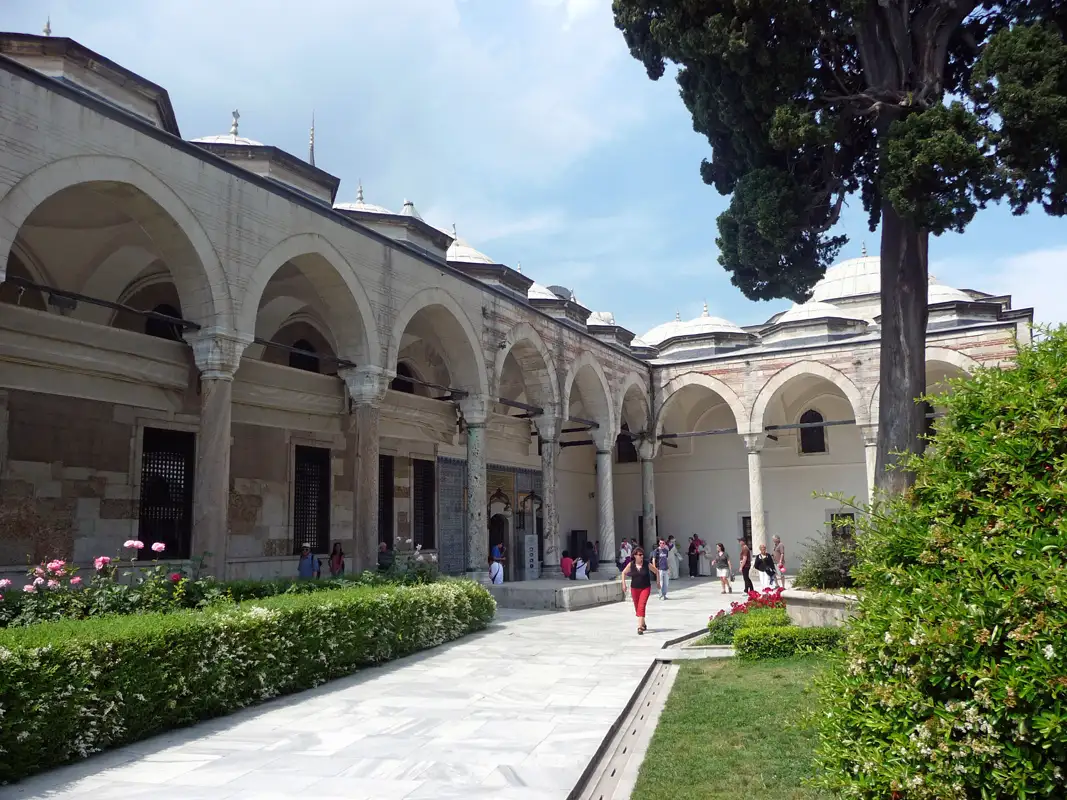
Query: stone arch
351	318
808	368
586	371
462	344
673	390
946	355
190	257
534	360
631	403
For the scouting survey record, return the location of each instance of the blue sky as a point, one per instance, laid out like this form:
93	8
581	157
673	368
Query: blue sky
526	123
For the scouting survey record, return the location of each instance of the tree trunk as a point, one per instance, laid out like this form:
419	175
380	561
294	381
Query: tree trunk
901	419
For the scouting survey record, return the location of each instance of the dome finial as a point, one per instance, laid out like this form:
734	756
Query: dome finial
359	192
233	125
311	141
863	248
518	268
677	316
705	308
454	234
48	26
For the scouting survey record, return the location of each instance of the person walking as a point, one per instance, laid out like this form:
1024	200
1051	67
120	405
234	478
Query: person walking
746	564
765	567
640	573
674	559
694	558
308	566
496	572
337	561
723	568
779	559
660	560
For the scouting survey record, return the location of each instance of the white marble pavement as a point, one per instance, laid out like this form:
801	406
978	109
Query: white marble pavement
515	712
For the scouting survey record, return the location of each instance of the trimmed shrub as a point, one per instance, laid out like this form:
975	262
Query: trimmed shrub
73	687
827	564
760	643
721	627
953	684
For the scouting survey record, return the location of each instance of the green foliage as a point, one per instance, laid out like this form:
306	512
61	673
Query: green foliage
828	564
760	643
721	628
954	681
73	687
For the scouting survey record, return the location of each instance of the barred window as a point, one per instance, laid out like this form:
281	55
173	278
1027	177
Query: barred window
386	517
311	499
166	509
812	440
424	484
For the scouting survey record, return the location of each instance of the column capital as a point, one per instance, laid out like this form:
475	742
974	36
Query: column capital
870	435
475	409
754	442
646	449
548	427
366	385
217	351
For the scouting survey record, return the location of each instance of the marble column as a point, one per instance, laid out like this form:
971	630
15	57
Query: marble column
366	389
605	516
217	354
475	412
646	450
548	431
870	452
754	445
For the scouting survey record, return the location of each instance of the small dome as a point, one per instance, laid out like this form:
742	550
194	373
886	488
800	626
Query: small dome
940	293
229	138
702	325
813	309
601	318
359	205
856	276
540	292
462	252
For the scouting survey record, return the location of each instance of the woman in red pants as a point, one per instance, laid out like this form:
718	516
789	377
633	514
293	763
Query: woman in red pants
641	573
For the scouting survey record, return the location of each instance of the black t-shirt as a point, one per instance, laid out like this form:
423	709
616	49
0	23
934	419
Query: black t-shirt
640	577
764	563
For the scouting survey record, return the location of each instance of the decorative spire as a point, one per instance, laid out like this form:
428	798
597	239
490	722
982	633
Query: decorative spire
233	126
677	316
518	268
359	192
454	234
48	26
311	141
705	308
863	249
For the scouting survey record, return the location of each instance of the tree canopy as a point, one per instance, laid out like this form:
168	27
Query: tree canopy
927	110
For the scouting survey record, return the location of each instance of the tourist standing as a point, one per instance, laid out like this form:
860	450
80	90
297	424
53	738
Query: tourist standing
566	564
746	564
337	561
660	557
674	559
694	557
779	559
496	573
640	573
625	549
309	566
723	568
705	558
766	569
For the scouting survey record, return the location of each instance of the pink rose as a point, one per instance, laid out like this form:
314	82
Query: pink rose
1	597
175	577
29	588
56	566
53	584
133	544
4	583
100	562
75	581
159	547
39	572
38	581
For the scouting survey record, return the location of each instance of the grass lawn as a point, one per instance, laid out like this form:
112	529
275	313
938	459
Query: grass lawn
733	730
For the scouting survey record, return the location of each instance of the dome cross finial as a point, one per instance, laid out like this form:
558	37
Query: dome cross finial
233	125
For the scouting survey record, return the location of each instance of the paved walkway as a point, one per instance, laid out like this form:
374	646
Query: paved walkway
513	713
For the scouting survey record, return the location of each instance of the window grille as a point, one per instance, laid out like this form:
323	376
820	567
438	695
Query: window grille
166	508
311	499
842	526
625	449
812	440
161	329
424	484
386	517
307	359
746	530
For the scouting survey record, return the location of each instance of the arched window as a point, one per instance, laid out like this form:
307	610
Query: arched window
162	329
625	448
812	440
400	385
306	360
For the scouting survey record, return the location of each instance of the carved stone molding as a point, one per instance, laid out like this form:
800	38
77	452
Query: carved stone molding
217	352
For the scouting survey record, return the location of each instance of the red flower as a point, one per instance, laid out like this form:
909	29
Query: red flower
175	577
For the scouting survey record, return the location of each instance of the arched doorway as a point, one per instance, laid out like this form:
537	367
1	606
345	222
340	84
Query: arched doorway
500	536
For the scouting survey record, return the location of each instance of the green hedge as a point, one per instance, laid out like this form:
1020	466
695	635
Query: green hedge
73	687
721	630
757	644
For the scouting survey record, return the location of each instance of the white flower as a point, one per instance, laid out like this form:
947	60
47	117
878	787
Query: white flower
888	638
1049	652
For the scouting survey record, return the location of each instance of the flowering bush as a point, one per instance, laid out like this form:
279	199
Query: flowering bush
953	685
723	626
756	643
73	687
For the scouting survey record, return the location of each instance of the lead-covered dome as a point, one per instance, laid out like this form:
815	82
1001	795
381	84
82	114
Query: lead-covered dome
360	205
461	251
856	277
228	138
703	325
813	309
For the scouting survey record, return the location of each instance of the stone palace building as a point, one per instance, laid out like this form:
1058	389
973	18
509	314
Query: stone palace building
201	345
